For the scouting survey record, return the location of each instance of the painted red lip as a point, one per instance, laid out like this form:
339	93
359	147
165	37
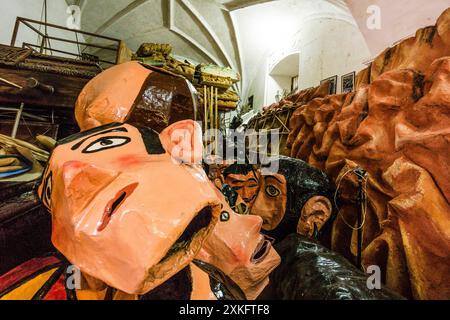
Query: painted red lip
114	204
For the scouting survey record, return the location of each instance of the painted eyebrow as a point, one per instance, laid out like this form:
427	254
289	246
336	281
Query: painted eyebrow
79	144
82	134
273	177
239	180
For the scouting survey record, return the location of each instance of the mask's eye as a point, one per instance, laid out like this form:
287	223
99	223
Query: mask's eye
224	216
106	143
272	191
46	196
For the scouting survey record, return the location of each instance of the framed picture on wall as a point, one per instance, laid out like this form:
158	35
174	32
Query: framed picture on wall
333	84
348	82
294	84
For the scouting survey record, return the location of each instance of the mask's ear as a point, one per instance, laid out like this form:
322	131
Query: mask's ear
315	213
183	141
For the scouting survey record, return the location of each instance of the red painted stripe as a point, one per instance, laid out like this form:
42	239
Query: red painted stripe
25	270
57	291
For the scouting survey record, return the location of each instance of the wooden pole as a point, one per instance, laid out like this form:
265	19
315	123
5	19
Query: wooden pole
217	109
11	83
217	120
204	108
17	121
205	115
211	111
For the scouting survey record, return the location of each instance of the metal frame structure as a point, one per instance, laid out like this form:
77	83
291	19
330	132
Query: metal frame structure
45	39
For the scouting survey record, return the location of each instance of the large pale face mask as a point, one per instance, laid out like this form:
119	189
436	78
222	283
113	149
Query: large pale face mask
123	210
237	248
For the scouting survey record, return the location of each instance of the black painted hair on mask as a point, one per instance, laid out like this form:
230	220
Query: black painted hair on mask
241	169
151	140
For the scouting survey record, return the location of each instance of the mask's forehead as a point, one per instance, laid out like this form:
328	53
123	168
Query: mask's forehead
275	179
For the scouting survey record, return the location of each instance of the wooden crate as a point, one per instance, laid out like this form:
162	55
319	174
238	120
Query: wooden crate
66	76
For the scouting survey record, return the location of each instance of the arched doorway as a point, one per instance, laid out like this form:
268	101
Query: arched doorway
282	78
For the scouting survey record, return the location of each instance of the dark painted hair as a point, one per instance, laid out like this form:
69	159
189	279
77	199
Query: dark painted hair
235	168
151	140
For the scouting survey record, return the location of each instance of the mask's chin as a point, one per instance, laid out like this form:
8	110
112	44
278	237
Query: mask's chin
254	277
183	251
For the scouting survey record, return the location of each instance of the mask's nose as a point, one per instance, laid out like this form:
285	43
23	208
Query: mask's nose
252	223
82	182
245	193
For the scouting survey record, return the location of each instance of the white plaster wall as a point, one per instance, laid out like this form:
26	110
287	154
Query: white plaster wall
220	24
399	19
324	32
275	85
56	14
256	86
330	47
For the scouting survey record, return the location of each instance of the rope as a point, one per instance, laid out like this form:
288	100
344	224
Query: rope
364	208
38	41
78	44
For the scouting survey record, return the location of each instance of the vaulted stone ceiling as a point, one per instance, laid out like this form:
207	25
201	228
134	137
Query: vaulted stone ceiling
199	30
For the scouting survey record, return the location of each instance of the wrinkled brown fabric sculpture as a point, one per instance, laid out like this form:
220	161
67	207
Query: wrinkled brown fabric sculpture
396	122
398	130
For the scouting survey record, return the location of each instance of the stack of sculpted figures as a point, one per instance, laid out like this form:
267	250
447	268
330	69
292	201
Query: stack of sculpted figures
133	209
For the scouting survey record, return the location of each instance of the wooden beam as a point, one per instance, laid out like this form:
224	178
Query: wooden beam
240	4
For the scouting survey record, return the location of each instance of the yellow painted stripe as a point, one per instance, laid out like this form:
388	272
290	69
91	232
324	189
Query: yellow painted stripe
91	294
27	290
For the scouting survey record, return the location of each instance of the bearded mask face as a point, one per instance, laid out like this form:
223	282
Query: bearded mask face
123	210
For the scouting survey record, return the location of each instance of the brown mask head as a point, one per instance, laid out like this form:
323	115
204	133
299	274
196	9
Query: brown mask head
244	180
292	186
271	201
